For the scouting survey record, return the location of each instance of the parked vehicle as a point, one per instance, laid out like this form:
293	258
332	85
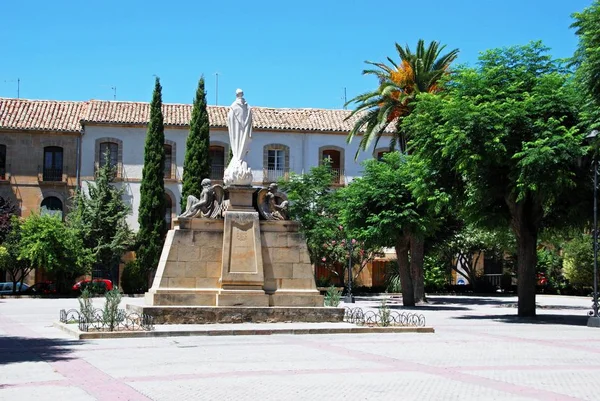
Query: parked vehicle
7	288
99	285
41	288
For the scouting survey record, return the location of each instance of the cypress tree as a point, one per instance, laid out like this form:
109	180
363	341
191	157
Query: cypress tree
196	165
152	209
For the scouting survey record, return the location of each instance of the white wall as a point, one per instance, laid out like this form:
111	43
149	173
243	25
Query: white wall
304	154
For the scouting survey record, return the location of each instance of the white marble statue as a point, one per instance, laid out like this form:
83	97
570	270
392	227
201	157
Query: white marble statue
239	123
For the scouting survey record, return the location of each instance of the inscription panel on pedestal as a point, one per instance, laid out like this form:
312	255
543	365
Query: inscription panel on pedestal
243	252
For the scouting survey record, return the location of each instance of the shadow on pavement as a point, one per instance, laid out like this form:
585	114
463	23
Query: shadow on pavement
472	300
570	320
429	307
28	349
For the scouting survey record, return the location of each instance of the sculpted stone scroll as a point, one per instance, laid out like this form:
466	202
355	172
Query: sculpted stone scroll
209	205
272	204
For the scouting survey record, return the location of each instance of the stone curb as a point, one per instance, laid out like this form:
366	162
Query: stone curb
74	331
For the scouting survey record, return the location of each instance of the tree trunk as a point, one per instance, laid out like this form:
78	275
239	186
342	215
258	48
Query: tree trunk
402	247
417	255
526	216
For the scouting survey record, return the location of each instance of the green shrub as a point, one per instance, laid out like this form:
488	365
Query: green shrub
133	279
436	276
111	314
323	281
579	261
333	296
86	307
392	278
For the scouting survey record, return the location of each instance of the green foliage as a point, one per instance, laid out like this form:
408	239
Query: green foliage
196	165
86	306
10	262
100	216
587	56
312	204
436	275
506	133
392	278
332	296
47	242
579	261
111	315
323	281
379	205
133	279
152	209
399	85
384	314
550	263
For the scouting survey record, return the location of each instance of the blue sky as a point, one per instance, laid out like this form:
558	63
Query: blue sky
282	53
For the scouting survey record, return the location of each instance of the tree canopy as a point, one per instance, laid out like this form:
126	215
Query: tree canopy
506	131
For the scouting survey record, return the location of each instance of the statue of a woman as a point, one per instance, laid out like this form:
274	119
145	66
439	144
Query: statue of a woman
239	124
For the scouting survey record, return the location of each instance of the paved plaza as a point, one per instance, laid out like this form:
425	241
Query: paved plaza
479	351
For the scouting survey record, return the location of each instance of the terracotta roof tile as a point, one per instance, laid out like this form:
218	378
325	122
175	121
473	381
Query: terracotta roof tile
66	116
41	115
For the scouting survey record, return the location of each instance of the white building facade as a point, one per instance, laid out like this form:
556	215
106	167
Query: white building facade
283	141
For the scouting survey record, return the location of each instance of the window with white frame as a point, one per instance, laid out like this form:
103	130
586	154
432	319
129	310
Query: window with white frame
276	159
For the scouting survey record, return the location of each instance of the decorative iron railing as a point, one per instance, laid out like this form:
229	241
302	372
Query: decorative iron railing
101	320
52	174
338	175
383	318
274	175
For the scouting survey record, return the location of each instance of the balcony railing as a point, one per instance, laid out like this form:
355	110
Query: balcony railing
338	176
217	172
52	174
274	175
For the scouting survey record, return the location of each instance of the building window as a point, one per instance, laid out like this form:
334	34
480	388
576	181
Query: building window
379	153
2	162
52	206
216	155
276	162
168	160
109	152
53	163
335	157
169	211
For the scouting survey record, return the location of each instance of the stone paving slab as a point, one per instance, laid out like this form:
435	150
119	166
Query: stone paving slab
239	330
479	351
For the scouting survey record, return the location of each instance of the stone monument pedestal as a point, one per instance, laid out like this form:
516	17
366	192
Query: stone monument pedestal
239	261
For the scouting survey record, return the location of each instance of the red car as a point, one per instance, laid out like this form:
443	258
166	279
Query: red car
100	285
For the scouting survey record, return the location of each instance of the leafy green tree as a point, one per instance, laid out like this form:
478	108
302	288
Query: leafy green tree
311	200
47	242
505	131
399	85
316	206
152	209
380	208
9	255
196	165
587	56
100	218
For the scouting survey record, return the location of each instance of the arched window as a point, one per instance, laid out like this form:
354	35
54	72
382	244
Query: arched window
52	205
2	162
168	160
335	156
169	211
53	163
216	154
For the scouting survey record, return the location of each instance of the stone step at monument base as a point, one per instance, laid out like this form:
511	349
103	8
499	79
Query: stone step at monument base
232	297
238	314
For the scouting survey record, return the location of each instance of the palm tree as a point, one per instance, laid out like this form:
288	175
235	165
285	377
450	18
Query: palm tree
399	84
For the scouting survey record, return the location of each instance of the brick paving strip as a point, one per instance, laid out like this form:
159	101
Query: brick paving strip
77	372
